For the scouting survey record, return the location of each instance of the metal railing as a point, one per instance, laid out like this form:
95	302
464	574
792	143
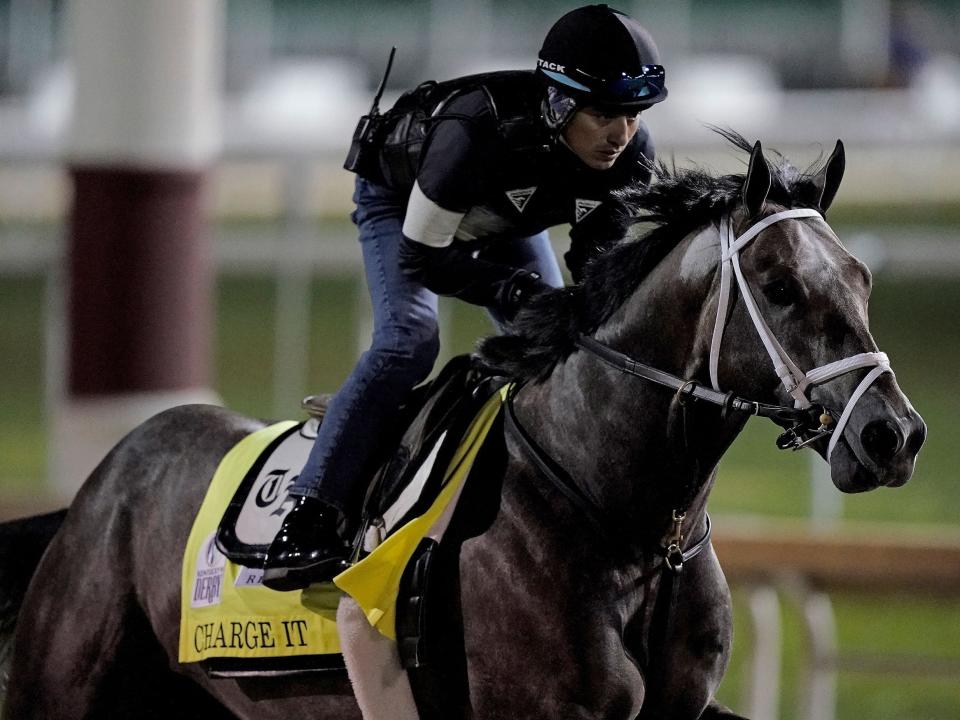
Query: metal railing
783	561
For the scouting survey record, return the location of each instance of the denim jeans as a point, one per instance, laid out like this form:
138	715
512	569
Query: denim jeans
404	348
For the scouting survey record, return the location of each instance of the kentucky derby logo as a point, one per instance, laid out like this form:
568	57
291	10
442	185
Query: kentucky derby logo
208	581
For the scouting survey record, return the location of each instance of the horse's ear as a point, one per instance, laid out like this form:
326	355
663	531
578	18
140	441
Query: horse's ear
829	179
757	184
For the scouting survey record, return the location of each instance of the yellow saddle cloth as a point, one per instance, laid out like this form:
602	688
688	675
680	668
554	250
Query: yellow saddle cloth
224	610
226	613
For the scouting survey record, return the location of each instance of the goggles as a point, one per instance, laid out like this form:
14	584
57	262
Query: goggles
650	84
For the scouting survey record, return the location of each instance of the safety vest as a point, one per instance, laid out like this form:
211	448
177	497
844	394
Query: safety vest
390	143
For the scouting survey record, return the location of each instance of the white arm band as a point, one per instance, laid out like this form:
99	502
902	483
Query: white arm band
427	222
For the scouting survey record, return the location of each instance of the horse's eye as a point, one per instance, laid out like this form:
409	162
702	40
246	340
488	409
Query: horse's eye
780	292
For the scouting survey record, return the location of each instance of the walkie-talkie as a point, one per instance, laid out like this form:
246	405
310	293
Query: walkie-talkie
363	156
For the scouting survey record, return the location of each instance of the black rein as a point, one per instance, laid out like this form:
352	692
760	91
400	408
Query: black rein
561	479
689	388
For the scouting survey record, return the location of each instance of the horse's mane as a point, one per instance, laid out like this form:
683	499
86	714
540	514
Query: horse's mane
676	203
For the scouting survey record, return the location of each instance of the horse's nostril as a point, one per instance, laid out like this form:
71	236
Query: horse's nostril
882	440
916	438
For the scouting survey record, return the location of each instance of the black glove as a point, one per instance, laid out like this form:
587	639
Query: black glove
517	290
577	258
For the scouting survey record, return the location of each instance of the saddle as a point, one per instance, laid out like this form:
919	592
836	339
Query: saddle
407	481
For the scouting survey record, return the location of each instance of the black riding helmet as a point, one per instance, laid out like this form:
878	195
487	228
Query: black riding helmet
600	57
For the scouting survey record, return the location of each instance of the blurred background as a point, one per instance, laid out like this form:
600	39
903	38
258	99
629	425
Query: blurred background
290	315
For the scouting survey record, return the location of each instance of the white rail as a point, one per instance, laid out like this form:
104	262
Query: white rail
800	564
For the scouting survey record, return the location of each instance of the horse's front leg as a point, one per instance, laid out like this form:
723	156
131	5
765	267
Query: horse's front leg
536	648
688	671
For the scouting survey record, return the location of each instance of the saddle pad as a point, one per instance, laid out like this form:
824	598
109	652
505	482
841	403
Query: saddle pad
260	502
225	612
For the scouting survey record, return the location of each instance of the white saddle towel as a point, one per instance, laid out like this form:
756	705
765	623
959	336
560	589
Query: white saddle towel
380	684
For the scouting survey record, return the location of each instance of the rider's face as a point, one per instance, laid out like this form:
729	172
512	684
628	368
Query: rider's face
598	137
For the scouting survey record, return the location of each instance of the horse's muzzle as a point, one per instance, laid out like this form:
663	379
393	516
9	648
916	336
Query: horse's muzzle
886	455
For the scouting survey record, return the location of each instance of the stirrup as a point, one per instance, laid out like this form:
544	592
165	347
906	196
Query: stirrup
316	405
285	579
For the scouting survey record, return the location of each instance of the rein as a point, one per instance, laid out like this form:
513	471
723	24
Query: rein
689	388
671	549
673	555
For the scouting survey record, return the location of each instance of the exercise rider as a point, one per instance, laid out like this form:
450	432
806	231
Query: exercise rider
456	201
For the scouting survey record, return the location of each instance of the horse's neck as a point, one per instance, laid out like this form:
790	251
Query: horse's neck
623	437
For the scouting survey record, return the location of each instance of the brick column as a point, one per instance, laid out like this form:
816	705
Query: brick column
145	131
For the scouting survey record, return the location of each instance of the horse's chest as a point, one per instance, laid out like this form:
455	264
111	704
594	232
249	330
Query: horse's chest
539	641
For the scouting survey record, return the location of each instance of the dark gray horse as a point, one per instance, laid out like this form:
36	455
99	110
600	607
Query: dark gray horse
568	603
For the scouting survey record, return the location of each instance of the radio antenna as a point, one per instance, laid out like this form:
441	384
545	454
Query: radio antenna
375	108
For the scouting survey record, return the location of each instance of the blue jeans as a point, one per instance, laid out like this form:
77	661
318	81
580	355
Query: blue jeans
402	353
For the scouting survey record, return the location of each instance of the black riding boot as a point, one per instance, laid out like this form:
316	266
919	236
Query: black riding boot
307	548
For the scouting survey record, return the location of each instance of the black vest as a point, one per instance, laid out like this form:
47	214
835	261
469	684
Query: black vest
395	138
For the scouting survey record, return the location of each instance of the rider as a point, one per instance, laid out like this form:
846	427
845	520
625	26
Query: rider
462	210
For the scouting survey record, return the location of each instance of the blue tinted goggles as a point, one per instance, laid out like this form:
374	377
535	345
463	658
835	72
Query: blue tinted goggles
648	85
628	88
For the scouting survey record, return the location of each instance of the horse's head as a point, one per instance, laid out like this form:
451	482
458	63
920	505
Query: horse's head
793	331
781	321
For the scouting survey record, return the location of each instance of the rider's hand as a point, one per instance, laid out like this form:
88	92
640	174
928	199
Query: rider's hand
517	290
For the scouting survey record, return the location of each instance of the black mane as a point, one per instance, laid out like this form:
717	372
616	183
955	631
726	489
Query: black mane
677	202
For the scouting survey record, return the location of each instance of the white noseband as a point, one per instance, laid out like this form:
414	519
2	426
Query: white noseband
795	381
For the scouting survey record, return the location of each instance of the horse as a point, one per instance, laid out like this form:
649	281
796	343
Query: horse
586	585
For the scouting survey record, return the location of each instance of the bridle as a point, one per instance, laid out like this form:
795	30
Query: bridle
808	422
794	380
804	415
